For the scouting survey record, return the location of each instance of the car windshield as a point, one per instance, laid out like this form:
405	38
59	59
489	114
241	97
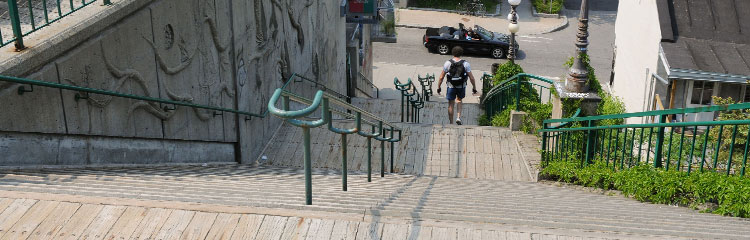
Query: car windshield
484	33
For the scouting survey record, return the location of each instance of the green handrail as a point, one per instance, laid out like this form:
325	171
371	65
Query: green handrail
14	14
594	142
499	97
22	90
426	83
322	102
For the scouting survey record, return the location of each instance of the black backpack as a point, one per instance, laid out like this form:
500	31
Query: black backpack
457	73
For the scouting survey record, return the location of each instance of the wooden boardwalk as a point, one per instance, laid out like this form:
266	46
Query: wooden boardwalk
432	113
243	202
426	149
30	218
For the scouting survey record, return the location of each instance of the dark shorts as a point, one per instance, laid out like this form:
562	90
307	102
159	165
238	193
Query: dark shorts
452	93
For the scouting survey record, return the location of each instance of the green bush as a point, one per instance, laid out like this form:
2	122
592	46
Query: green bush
483	120
609	104
645	183
548	6
502	119
389	27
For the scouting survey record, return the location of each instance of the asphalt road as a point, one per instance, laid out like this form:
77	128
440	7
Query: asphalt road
540	54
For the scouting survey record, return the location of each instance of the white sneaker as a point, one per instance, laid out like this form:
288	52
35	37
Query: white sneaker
458	121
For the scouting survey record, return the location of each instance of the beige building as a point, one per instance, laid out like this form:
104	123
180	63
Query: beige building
680	53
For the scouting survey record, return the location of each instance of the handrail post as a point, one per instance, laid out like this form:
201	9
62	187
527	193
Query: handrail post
15	22
369	157
518	94
308	166
402	106
544	144
382	151
589	143
659	142
344	169
392	144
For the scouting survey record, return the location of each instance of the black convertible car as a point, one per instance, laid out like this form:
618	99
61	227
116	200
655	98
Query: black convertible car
443	39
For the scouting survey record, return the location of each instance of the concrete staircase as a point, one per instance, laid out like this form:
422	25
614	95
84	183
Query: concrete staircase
409	198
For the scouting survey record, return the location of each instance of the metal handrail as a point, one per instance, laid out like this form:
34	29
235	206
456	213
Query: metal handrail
591	140
14	15
501	96
32	83
377	90
738	106
88	90
497	88
322	102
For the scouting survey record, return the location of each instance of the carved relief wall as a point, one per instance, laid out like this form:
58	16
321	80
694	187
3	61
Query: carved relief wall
228	53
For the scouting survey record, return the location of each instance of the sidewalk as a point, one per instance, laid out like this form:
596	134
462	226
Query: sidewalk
530	25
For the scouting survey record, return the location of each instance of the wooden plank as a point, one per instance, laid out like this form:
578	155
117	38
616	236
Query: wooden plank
272	227
445	151
30	220
223	226
395	231
442	233
517	235
296	228
13	213
418	232
247	227
324	230
151	223
425	148
471	157
4	203
127	223
342	231
103	222
79	222
199	226
489	164
371	230
502	168
55	221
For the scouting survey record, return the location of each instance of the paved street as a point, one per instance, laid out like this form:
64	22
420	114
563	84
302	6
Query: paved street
540	54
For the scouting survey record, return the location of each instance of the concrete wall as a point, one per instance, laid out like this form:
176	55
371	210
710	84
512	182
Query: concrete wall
637	37
227	53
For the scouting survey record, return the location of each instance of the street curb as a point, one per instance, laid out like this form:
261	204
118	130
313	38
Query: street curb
562	25
544	15
497	10
559	27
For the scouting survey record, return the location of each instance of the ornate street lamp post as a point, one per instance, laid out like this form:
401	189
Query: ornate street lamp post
513	28
578	74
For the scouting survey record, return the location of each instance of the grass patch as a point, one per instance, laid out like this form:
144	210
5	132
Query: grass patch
729	194
548	6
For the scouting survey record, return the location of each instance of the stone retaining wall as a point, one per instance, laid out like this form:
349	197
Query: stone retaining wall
226	53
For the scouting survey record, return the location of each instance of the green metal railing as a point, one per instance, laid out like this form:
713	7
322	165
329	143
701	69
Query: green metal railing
720	146
40	15
486	85
83	93
412	101
322	103
509	92
426	83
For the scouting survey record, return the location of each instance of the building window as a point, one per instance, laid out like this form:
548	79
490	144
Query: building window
702	92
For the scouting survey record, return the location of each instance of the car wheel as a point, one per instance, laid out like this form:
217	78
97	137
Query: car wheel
443	49
498	53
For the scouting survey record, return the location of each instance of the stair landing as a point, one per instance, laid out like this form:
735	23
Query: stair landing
426	149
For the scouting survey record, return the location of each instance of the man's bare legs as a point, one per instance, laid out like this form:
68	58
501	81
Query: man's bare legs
458	107
450	110
451	105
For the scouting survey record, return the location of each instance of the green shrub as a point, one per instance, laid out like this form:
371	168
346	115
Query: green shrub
548	6
645	183
502	119
389	27
483	120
